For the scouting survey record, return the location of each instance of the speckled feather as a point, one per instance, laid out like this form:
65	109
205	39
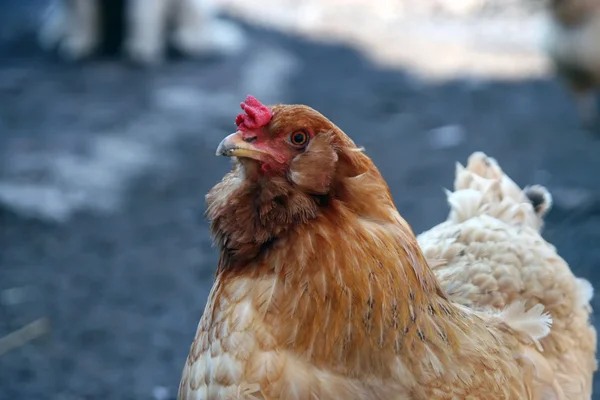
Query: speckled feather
490	253
323	293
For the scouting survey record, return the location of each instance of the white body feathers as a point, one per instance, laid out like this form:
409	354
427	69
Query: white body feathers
490	254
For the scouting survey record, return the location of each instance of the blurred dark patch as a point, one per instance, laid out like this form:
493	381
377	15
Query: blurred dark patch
113	25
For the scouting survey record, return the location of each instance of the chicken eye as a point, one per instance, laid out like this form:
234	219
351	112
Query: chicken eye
299	138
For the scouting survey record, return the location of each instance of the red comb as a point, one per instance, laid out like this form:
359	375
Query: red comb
256	114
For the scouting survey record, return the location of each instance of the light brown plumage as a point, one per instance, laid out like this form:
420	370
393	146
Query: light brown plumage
490	254
323	293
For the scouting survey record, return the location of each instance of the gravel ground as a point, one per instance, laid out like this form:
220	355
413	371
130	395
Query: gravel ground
103	171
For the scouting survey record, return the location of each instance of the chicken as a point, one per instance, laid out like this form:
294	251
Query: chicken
490	253
75	27
572	42
322	291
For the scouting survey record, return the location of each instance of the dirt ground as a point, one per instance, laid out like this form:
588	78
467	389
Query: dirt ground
104	168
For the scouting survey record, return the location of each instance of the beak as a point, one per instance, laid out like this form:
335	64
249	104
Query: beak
235	146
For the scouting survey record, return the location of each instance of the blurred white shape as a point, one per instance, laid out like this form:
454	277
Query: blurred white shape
147	22
194	104
21	336
388	10
571	198
95	180
462	7
41	201
213	36
160	393
309	15
74	27
16	295
266	74
179	98
52	25
446	136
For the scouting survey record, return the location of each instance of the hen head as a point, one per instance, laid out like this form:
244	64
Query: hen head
291	141
291	164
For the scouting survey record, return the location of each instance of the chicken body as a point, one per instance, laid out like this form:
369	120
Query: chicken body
572	41
323	293
491	254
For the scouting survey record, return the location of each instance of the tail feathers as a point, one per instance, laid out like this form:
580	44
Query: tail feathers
486	168
470	203
540	198
465	204
482	188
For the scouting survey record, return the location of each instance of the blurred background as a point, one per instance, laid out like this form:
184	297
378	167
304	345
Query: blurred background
105	158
